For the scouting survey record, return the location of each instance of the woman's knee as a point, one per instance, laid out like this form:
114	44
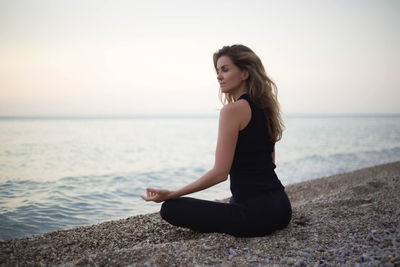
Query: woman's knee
170	208
164	209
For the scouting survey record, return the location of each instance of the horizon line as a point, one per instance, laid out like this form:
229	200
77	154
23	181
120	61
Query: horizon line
166	116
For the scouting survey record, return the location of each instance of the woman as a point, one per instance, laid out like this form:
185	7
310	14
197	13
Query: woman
249	126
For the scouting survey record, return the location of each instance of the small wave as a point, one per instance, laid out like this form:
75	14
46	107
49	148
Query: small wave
65	188
119	179
69	179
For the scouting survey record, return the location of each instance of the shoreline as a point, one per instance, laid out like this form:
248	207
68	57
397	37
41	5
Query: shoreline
342	219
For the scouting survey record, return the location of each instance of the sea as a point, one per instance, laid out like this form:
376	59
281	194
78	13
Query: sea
62	172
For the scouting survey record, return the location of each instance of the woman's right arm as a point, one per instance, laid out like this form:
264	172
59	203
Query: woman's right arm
231	117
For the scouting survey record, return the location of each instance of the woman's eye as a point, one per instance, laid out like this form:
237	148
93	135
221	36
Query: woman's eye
223	70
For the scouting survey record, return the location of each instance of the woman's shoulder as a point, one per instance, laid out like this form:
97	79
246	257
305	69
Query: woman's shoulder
238	107
238	112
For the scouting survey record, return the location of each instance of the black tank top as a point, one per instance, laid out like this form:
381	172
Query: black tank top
253	172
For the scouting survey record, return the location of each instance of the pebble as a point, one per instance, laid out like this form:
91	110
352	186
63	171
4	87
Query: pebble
232	252
288	261
299	263
364	257
205	247
304	254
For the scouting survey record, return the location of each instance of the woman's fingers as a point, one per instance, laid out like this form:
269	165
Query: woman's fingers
148	192
151	194
151	191
148	198
156	195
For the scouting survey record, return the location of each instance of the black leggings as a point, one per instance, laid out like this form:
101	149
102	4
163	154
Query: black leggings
257	216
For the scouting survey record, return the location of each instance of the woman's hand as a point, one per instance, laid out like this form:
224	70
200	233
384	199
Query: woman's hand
157	195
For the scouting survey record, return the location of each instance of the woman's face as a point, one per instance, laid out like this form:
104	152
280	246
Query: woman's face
231	79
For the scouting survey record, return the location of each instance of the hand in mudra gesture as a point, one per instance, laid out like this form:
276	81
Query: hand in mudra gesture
156	195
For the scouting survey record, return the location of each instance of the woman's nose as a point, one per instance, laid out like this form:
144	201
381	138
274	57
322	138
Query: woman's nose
219	77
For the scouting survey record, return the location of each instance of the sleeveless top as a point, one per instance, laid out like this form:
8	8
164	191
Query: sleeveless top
253	172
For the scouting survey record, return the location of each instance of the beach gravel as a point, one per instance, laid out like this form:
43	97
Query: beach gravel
347	219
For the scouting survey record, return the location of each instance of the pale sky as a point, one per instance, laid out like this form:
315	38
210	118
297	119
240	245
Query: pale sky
77	57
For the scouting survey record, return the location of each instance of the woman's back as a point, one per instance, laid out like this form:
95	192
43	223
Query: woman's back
252	170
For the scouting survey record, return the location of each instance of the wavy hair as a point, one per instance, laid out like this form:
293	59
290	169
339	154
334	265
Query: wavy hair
261	89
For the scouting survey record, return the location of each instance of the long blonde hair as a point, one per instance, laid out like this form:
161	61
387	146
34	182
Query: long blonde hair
261	89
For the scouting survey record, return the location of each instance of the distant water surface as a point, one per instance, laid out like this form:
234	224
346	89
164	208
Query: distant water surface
57	173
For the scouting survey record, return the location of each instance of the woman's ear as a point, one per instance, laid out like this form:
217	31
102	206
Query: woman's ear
245	75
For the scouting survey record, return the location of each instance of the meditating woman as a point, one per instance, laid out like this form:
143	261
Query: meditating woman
249	125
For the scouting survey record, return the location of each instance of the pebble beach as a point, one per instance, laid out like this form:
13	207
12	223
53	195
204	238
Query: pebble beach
346	219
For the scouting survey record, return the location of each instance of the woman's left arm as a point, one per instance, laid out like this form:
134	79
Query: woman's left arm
228	130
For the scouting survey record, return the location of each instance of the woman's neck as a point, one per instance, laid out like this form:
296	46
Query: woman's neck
239	93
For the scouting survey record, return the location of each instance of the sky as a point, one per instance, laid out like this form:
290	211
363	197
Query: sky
81	57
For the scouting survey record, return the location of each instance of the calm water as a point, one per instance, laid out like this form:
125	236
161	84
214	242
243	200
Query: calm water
60	173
